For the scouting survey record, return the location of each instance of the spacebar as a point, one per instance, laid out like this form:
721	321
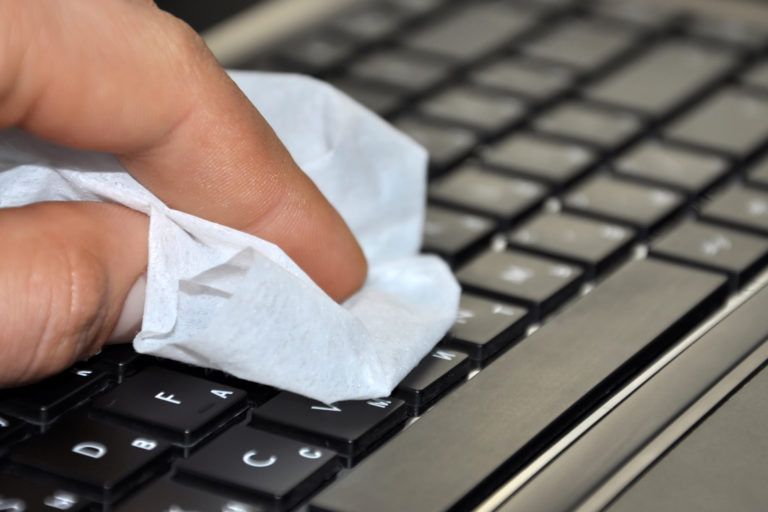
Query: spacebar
479	435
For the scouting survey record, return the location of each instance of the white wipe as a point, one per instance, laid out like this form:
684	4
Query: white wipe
223	299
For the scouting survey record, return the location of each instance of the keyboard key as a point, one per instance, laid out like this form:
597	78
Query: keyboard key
468	33
446	144
382	100
436	374
9	427
119	360
21	495
606	128
757	76
45	401
685	170
643	207
739	207
266	465
714	247
487	193
168	496
757	173
484	327
729	30
371	22
484	430
181	408
317	52
485	112
402	70
103	460
648	16
453	235
733	121
590	243
350	428
539	283
555	162
682	67
532	79
585	44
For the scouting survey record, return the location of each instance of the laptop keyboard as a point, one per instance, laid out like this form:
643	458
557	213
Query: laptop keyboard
603	151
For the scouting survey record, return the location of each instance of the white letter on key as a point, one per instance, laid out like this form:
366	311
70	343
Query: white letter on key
167	398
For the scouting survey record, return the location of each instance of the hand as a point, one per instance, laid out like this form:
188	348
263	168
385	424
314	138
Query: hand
121	76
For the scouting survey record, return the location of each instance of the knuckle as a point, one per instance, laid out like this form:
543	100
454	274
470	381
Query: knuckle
182	39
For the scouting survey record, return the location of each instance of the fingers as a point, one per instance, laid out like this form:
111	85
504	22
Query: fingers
65	271
123	77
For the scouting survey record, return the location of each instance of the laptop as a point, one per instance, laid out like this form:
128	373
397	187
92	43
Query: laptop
598	183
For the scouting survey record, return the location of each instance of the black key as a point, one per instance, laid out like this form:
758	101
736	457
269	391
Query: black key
590	243
603	127
585	44
370	22
453	234
168	496
437	373
482	111
45	401
714	247
739	207
317	52
555	162
382	100
400	69
733	120
483	431
21	495
446	144
539	283
484	327
688	171
532	79
350	428
257	393
9	427
181	408
468	33
643	207
757	76
119	360
487	193
682	67
757	174
99	460
730	31
266	465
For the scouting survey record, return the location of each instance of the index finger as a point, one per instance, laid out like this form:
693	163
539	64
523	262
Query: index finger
126	78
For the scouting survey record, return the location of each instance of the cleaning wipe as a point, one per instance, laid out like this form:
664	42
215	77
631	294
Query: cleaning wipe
223	299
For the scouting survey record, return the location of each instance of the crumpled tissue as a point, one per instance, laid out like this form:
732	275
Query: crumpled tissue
223	299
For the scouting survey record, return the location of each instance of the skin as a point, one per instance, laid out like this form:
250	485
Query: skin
123	77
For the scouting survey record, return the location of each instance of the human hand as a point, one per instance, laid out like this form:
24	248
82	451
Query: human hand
123	77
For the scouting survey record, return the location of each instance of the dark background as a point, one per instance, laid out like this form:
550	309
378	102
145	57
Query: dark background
202	14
